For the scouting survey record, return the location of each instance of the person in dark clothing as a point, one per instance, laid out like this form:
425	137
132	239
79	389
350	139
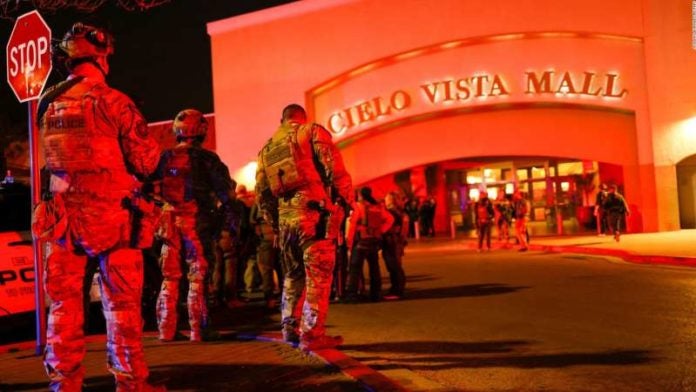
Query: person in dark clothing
599	211
484	219
193	181
366	225
411	210
230	252
427	217
617	210
340	274
393	243
504	218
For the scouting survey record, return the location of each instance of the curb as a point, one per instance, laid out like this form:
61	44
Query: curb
622	254
367	377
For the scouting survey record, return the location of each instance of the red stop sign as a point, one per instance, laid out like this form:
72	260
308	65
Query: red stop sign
29	56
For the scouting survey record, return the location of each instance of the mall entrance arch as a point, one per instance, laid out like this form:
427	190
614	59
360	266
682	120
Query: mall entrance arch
686	188
550	149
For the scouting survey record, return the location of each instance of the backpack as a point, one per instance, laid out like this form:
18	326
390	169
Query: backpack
176	181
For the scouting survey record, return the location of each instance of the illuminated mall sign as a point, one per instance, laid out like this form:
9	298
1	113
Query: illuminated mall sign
476	89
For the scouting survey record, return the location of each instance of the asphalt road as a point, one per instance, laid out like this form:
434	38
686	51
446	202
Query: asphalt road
505	320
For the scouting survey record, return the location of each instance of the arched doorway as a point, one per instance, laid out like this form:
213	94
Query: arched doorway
686	188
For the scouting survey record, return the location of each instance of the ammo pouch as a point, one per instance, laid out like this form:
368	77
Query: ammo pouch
49	221
282	169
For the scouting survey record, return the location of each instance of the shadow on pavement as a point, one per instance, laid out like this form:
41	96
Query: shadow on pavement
607	358
197	377
252	377
416	278
429	347
470	290
436	355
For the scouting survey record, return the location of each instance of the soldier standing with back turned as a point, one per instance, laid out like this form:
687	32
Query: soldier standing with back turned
299	169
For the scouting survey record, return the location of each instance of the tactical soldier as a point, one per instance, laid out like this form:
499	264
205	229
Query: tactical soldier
193	180
484	219
366	225
393	243
266	255
97	148
298	170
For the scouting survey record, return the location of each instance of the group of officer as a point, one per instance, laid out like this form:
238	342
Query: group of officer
110	192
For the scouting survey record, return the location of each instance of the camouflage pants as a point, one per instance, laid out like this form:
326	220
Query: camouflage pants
181	235
308	267
223	279
120	278
266	258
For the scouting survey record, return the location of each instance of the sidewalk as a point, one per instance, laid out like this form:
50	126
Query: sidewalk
670	248
240	361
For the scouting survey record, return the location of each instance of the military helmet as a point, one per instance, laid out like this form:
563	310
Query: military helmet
86	41
190	123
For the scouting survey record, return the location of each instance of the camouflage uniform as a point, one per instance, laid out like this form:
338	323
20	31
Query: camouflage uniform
191	177
302	214
266	254
87	127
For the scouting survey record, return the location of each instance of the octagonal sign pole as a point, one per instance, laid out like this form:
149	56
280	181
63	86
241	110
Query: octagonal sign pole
28	67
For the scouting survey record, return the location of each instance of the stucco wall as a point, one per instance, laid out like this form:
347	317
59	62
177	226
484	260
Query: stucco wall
265	60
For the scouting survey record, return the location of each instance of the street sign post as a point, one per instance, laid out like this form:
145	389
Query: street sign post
28	66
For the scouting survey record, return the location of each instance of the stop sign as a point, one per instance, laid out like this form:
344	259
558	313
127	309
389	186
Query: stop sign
29	56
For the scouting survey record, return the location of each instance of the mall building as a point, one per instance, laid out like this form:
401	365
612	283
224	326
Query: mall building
449	98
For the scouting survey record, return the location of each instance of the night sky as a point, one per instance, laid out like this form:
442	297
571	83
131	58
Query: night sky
161	59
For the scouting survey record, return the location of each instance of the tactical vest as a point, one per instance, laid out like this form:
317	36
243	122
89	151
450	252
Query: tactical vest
177	181
76	141
288	159
372	220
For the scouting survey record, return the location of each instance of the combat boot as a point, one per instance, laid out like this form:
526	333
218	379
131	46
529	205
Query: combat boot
290	335
205	335
178	336
144	387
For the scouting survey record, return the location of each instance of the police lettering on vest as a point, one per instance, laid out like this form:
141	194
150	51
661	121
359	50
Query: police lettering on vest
73	141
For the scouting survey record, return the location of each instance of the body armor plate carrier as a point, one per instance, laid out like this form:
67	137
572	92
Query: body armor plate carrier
283	166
